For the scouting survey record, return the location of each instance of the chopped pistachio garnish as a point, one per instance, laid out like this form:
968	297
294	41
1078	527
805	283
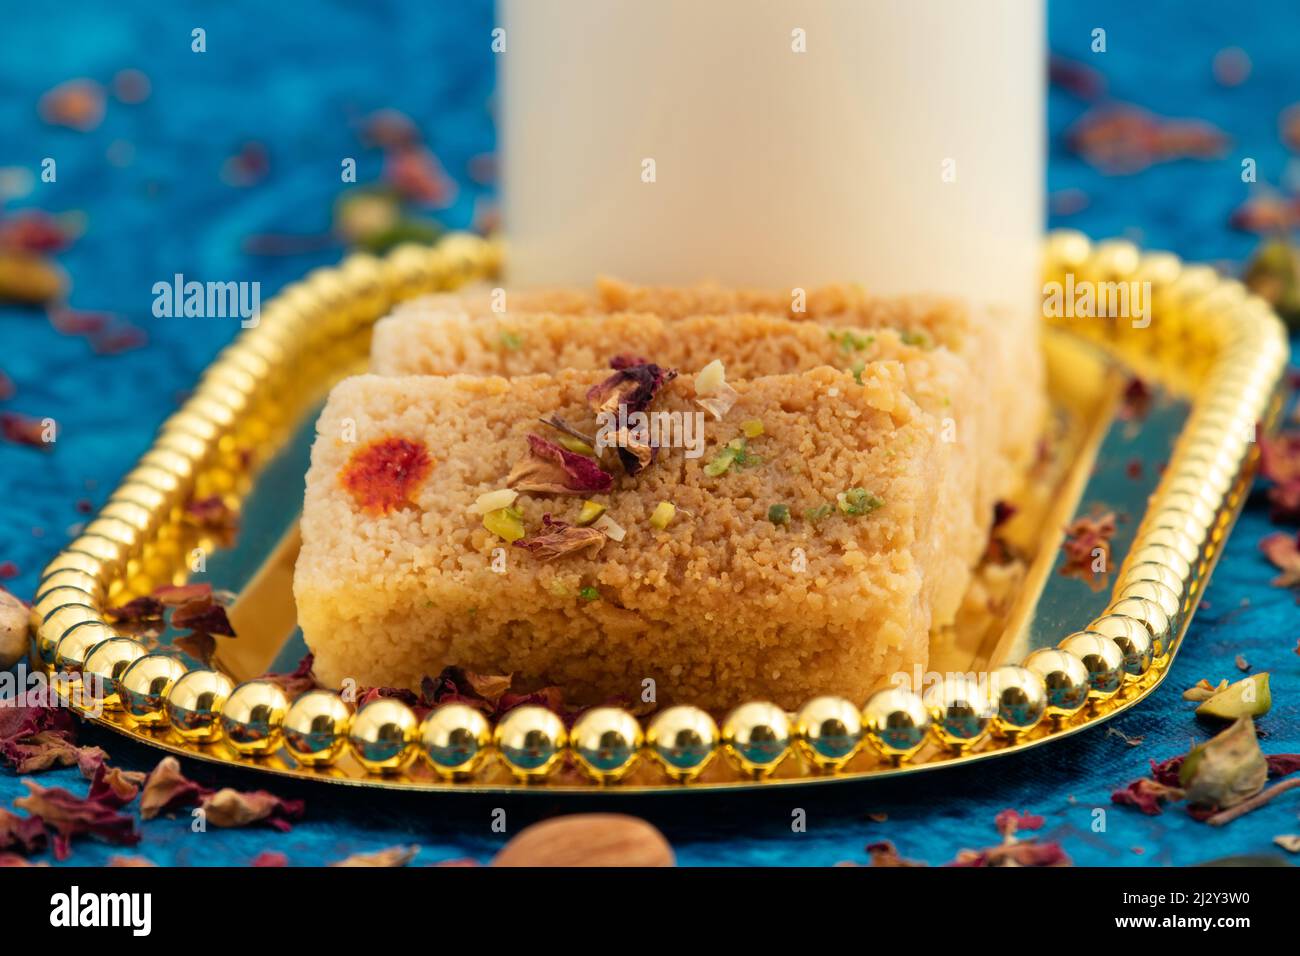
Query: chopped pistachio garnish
610	528
1246	697
506	523
576	445
919	339
511	341
857	370
778	514
662	515
589	594
850	341
720	463
857	501
816	514
591	510
710	378
493	501
752	428
712	393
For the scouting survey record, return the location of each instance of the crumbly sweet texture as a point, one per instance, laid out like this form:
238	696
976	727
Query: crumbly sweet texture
1002	348
720	606
433	342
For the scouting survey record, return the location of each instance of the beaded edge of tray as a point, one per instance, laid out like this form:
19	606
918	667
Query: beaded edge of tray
1205	326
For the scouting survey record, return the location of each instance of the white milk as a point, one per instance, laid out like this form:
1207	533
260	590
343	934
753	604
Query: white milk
903	149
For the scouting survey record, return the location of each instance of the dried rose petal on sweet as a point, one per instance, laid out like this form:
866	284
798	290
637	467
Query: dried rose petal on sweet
232	808
549	469
560	538
71	816
270	858
632	387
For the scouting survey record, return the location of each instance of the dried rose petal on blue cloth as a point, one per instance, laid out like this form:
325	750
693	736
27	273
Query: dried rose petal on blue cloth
71	816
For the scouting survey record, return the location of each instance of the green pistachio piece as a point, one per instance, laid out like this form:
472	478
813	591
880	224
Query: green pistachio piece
1246	698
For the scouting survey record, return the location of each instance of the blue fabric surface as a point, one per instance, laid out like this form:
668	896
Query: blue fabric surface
295	76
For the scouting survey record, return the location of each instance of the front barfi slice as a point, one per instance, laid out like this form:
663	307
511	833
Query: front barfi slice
804	565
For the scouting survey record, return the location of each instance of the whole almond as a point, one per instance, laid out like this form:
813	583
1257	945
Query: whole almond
588	839
14	618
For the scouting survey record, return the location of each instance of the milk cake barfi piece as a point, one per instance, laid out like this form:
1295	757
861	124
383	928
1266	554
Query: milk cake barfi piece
729	601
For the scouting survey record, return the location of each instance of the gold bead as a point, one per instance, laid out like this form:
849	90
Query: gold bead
531	740
105	665
410	271
1019	699
194	704
1133	640
76	642
1161	595
1064	678
756	736
59	595
828	731
70	577
382	735
465	257
1173	537
960	713
252	717
683	739
1067	250
1149	615
606	742
144	686
111	554
455	739
57	623
896	721
1164	556
1102	658
316	728
128	536
75	561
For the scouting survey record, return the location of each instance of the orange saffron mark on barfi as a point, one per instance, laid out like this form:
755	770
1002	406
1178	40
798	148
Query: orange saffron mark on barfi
384	474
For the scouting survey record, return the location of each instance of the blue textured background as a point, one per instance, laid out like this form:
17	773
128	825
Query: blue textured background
295	76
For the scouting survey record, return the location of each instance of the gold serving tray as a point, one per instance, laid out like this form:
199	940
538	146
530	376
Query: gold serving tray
1211	359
